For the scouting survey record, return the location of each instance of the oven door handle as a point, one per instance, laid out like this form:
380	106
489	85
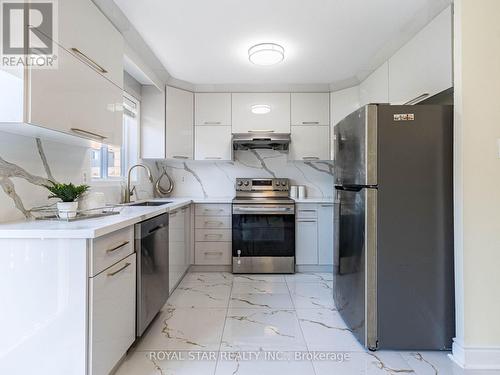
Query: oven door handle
266	210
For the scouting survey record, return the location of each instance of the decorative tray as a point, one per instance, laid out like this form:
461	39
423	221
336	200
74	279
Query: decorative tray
51	213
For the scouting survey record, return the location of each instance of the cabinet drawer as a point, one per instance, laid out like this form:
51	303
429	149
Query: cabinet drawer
217	253
112	315
212	209
213	235
111	248
306	211
212	222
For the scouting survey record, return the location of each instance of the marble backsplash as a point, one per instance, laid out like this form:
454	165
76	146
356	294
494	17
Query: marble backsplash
209	179
27	163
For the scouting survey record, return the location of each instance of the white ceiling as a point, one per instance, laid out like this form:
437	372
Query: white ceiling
326	41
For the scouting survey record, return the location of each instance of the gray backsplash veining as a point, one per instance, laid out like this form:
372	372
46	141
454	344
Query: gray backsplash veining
27	163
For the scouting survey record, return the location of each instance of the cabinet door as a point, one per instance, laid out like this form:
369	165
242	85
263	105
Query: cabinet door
112	315
306	241
325	234
310	108
423	67
176	248
187	238
91	37
212	143
77	100
310	143
276	120
343	103
375	88
152	123
212	109
179	128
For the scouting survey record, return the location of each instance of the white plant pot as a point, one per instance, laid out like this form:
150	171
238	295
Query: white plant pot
67	210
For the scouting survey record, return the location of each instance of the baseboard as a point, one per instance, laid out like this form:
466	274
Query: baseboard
475	358
206	268
313	268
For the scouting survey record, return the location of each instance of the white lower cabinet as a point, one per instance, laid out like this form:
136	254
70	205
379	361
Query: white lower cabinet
213	240
314	234
325	234
112	315
306	242
177	246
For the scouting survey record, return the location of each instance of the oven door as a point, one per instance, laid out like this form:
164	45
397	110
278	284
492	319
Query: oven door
263	238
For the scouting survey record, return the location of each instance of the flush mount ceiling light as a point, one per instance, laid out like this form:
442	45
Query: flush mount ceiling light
261	109
266	54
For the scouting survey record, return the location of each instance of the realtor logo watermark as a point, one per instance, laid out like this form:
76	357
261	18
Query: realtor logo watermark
28	33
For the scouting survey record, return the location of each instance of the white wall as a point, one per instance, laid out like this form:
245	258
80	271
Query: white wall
477	183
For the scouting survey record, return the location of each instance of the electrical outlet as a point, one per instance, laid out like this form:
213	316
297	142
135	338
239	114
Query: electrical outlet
183	178
84	177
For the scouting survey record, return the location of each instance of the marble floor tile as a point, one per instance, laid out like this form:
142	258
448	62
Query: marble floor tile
207	278
434	362
363	363
185	329
309	277
312	295
261	300
283	314
264	367
200	296
147	363
324	329
262	329
258	278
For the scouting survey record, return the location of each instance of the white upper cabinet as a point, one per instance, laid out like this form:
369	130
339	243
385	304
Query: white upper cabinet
179	124
90	36
310	108
343	103
75	99
310	143
423	67
277	120
152	123
375	88
212	109
212	142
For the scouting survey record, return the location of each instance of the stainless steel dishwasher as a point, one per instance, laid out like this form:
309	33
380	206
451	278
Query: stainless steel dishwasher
151	243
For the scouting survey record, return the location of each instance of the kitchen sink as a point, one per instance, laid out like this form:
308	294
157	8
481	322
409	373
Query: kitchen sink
150	203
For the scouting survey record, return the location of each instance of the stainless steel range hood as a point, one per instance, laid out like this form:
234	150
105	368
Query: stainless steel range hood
258	140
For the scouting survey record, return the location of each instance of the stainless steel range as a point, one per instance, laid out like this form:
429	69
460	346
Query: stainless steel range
263	226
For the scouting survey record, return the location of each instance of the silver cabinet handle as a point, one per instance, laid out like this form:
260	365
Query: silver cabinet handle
213	209
87	133
306	221
212	122
307	210
88	60
310	158
213	252
212	158
117	247
213	235
417	99
327	205
310	122
119	270
180	157
261	131
213	222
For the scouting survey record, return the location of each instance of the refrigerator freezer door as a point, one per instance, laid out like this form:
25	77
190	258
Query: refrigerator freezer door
355	283
355	140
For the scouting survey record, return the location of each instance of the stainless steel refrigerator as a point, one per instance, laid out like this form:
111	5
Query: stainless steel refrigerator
394	284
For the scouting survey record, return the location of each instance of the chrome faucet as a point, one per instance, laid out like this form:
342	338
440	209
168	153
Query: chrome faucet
129	192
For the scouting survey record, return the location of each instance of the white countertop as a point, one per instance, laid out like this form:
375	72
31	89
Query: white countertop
88	228
92	228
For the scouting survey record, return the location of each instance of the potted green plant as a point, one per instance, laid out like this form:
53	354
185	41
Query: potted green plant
68	194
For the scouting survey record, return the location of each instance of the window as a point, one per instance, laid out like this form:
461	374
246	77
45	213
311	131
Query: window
109	162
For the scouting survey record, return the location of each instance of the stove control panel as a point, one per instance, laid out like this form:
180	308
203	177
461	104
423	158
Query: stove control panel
262	184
